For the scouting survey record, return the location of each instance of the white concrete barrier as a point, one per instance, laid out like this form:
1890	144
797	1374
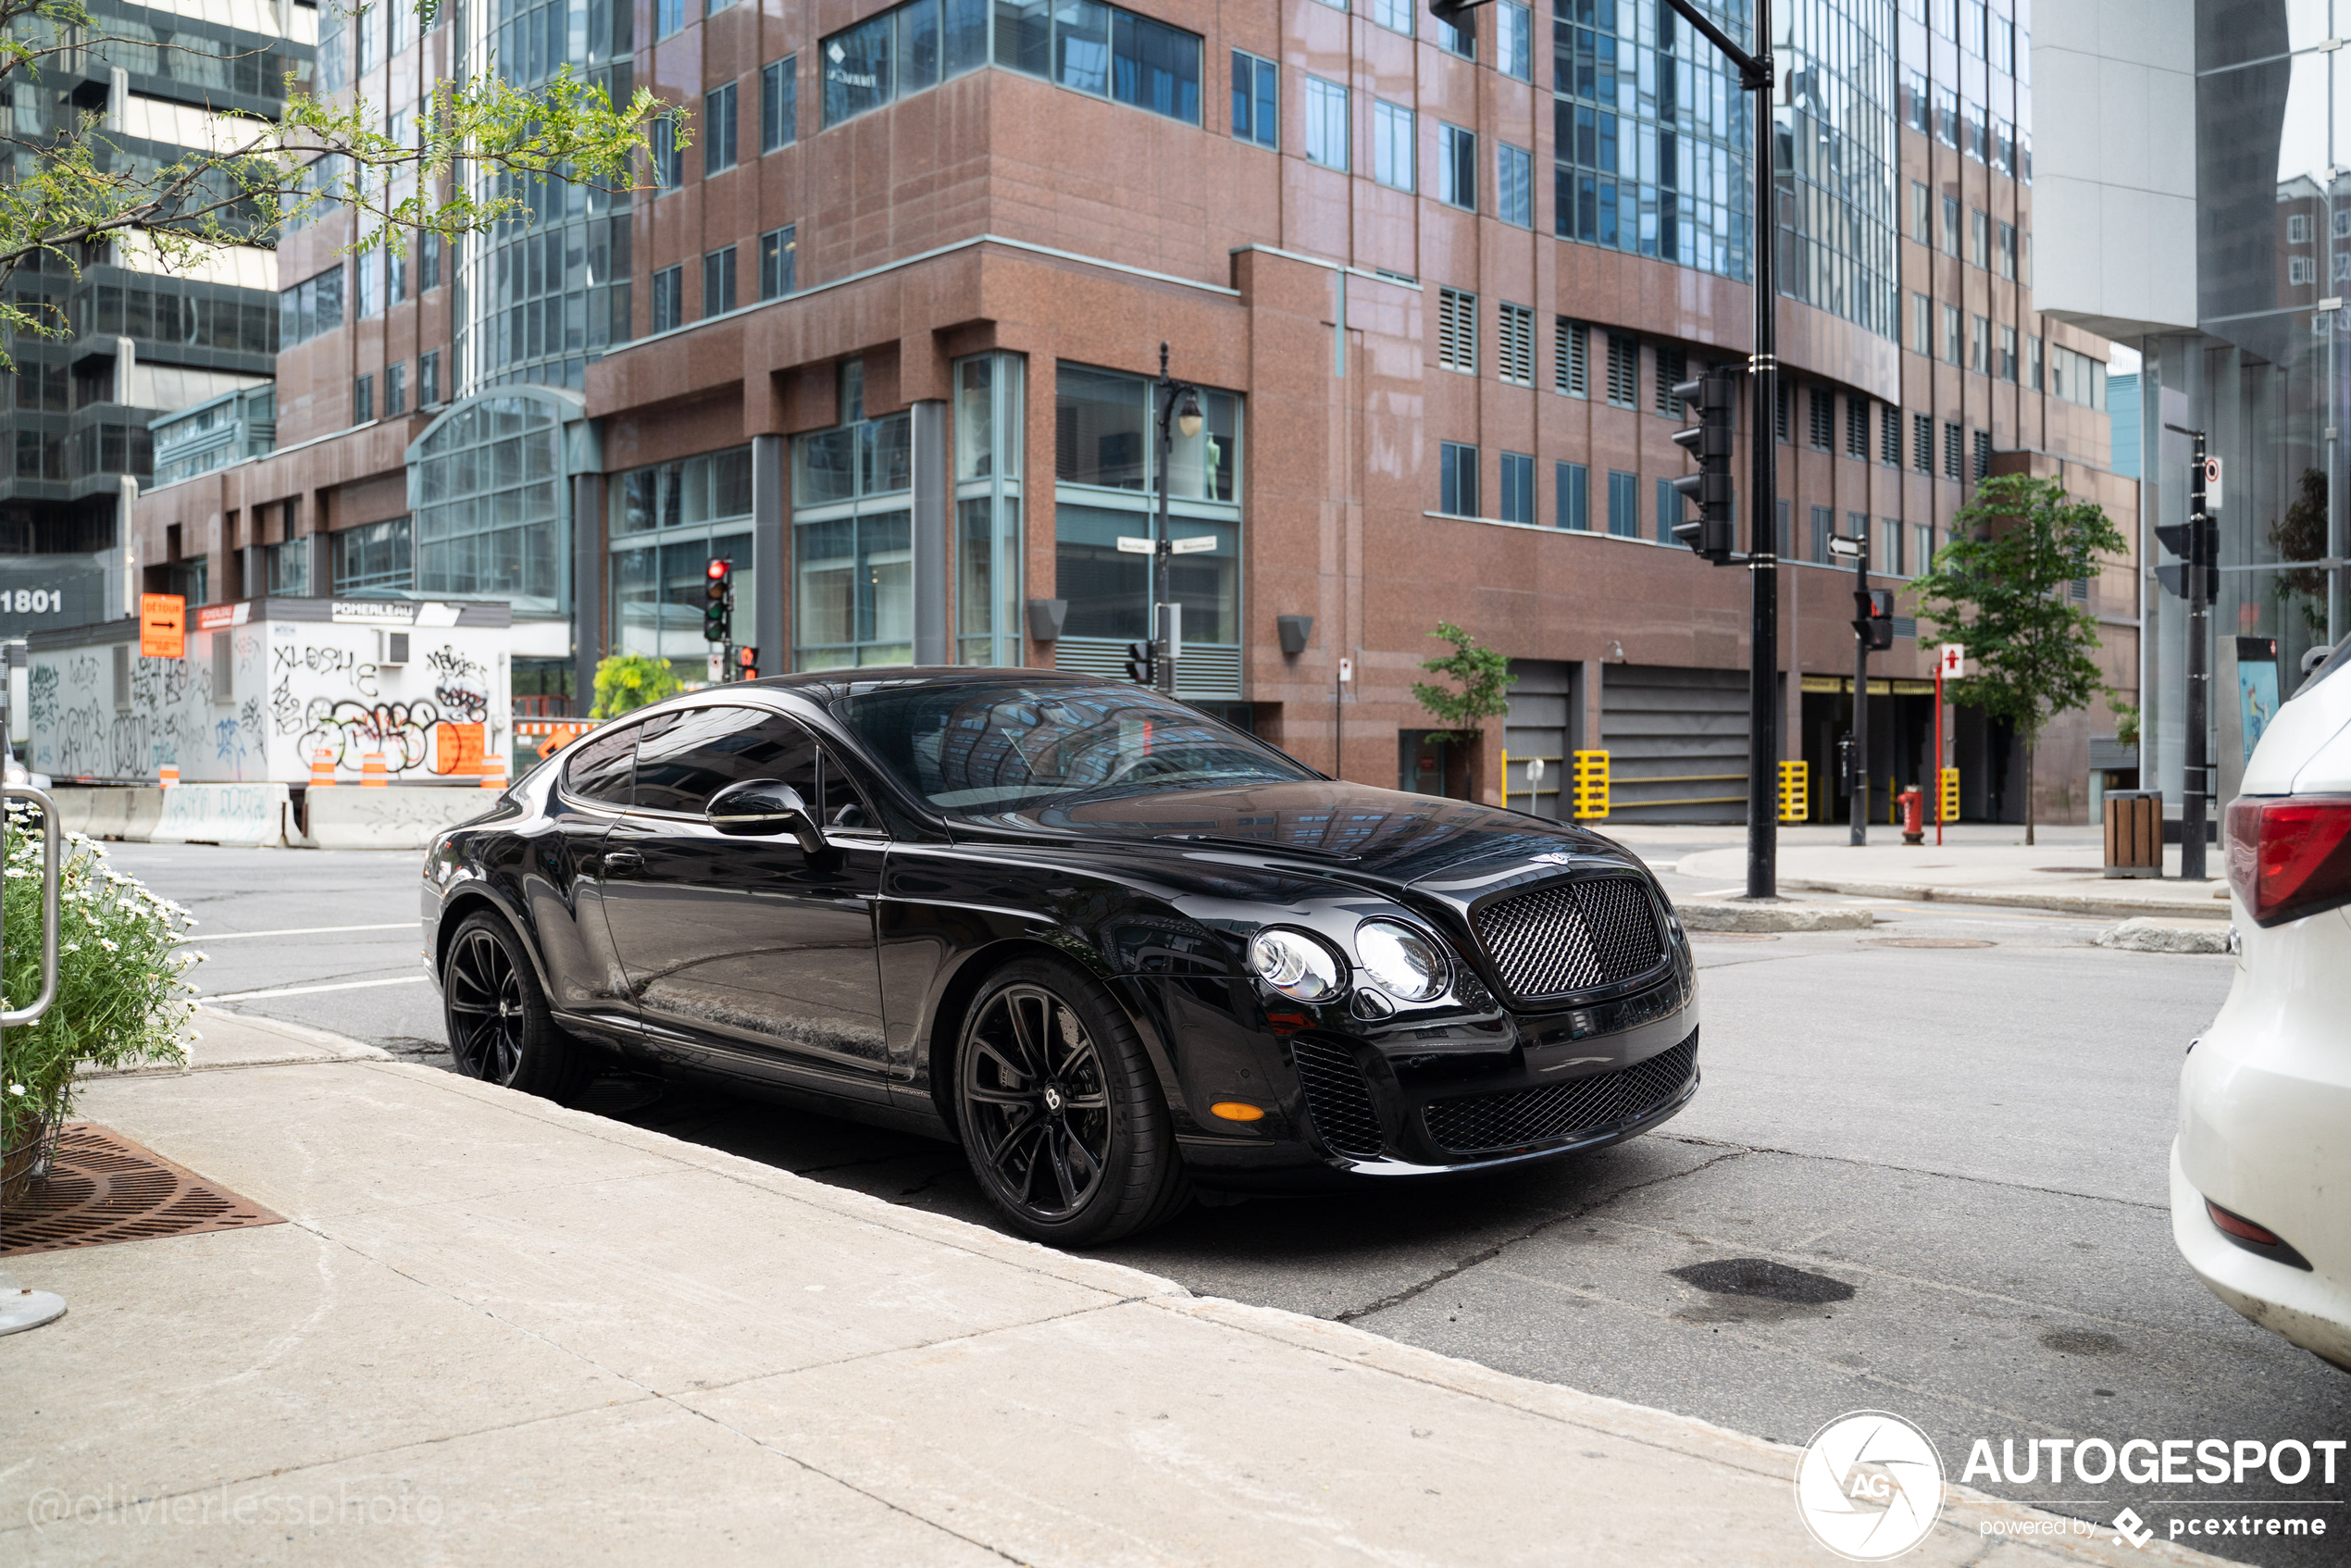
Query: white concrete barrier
395	817
129	813
255	814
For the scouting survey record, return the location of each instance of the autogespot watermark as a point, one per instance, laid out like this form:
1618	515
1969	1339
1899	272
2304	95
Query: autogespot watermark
340	1508
1870	1485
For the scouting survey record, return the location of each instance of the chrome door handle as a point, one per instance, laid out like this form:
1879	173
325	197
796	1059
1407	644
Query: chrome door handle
623	860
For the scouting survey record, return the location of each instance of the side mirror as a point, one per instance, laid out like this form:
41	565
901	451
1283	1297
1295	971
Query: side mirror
757	807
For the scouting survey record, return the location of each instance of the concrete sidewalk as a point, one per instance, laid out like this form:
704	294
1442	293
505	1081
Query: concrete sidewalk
2065	877
493	1330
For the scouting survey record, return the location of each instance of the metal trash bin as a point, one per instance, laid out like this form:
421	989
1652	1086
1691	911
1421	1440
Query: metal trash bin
2134	833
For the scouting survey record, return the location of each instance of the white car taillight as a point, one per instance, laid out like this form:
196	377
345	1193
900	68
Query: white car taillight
2290	855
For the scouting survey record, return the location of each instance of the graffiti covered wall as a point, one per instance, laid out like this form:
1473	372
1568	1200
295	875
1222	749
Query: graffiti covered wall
281	690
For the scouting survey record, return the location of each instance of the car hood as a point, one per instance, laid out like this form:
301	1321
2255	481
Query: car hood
1349	831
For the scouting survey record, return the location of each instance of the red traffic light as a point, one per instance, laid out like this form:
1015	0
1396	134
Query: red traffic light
718	570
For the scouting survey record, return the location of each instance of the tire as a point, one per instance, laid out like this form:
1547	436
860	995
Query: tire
1079	1149
499	1029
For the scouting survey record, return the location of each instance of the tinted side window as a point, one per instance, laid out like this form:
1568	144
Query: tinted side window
597	768
686	757
842	805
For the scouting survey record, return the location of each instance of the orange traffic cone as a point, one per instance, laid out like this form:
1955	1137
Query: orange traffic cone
322	769
166	775
371	771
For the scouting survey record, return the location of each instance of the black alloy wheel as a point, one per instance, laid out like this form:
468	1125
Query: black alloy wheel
499	1027
1062	1115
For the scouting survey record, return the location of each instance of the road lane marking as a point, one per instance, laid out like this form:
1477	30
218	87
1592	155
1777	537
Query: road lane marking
298	931
304	990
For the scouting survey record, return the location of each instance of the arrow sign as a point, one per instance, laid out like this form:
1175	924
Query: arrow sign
1129	546
1194	546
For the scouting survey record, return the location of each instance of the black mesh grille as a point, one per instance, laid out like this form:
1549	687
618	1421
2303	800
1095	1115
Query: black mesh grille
1338	1098
1538	1115
1571	936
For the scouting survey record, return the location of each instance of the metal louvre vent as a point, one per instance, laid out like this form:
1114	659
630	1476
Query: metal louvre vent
1571	936
1539	1115
1338	1099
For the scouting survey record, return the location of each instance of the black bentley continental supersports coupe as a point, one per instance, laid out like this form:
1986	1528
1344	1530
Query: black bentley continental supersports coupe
1110	946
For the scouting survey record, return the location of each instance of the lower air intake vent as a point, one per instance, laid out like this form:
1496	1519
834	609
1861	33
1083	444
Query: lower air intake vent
1338	1099
1539	1115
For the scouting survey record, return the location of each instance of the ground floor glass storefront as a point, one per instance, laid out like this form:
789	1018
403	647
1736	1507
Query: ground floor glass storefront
852	538
669	522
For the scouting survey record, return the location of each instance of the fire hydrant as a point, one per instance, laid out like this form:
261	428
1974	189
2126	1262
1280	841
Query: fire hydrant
1913	816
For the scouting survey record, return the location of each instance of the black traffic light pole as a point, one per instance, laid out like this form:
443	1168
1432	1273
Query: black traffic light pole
2197	560
1762	556
1859	783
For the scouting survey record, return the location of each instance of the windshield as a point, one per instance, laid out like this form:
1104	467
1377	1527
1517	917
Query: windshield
985	747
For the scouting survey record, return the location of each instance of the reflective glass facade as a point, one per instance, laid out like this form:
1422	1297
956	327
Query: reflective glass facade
487	489
1835	159
668	522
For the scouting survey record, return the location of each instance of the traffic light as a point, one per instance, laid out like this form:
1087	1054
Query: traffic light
1874	618
1716	398
2196	544
718	613
1142	662
747	661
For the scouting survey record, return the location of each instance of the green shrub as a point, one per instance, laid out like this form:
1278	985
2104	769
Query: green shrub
626	682
124	995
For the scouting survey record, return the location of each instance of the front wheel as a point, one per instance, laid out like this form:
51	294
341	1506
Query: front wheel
500	1030
1061	1112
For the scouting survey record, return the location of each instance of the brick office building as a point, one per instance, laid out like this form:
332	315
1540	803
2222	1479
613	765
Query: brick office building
884	335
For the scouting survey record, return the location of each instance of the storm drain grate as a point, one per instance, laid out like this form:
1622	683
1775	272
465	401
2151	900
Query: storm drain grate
102	1189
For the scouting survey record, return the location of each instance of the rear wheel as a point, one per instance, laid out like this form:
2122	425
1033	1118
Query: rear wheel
1062	1114
499	1027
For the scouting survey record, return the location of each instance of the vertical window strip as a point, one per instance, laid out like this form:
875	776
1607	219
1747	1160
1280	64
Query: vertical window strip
1516	345
1457	330
1623	371
1923	442
1571	346
1670	358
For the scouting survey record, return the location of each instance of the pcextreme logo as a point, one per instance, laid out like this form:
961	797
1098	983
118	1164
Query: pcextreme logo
1870	1485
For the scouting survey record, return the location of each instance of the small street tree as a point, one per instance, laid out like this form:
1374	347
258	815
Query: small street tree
1482	674
2002	589
67	187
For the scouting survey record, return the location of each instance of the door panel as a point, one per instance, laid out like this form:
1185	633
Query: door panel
748	950
566	884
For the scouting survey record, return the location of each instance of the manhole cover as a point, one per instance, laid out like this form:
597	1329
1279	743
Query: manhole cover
102	1188
1926	941
1764	1278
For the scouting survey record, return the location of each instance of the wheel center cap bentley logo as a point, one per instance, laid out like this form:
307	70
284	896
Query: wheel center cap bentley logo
1052	1099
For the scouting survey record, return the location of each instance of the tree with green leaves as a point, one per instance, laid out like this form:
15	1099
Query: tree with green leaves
1483	675
626	682
68	187
2003	589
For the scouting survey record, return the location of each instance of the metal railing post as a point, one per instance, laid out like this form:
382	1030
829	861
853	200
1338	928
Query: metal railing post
21	1307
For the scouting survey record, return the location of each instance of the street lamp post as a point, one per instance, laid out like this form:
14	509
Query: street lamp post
1175	406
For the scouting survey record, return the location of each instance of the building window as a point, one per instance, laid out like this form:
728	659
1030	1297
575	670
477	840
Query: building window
1823	419
2007	250
1889	533
367	271
907	50
2033	361
286	567
669	158
1923	442
1669	511
1571	349
668	16
1394	14
1457	480
668	522
1914	103
1889	437
1325	123
989	428
1950	451
396	277
1091	48
718	131
2300	269
429	379
1857	426
718	283
1979	238
373	558
395	390
1457	330
1953	349
1823	525
310	307
1623	371
1457	167
1457	37
428	261
1981	467
1921	214
1946	115
1515	341
1517	499
1671	361
1574	501
1922	324
363	400
1514	40
2007	354
1393	145
489	501
779	104
1950	225
1979	347
1624	504
779	257
2297	228
853	556
1256	104
1923	548
669	299
1515	185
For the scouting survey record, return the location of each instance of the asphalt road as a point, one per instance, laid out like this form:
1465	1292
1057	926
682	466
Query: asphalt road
1930	1179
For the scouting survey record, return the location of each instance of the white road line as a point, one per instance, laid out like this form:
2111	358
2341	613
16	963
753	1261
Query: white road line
304	990
299	932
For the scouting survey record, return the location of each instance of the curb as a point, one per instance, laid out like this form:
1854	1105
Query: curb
1723	915
2167	936
2111	907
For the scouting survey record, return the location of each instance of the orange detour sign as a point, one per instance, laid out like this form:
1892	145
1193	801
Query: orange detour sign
457	748
163	626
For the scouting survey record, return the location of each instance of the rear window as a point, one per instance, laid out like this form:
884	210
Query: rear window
596	767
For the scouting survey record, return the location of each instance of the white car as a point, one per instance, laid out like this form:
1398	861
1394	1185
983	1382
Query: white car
2262	1168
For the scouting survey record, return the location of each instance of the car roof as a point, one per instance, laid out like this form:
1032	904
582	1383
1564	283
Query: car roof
825	686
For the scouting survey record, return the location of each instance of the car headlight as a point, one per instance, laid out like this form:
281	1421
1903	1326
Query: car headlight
1295	964
1401	961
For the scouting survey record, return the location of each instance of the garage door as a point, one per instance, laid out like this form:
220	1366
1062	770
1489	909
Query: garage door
1676	741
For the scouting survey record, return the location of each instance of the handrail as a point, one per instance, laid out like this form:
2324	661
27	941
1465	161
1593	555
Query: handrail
17	1017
